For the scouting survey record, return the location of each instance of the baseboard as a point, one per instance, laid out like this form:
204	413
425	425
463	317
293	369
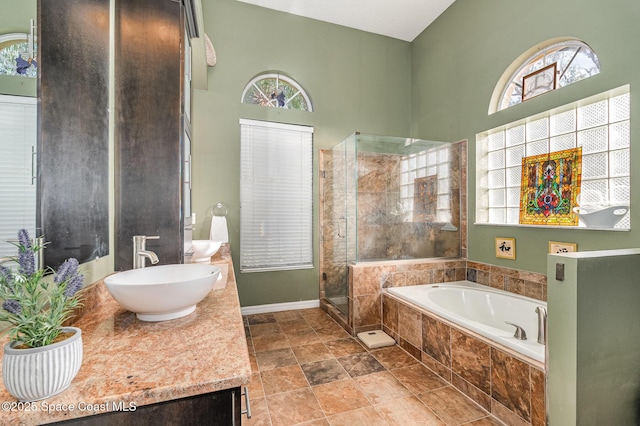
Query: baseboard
277	307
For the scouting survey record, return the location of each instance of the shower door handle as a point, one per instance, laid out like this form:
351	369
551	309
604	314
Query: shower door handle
342	234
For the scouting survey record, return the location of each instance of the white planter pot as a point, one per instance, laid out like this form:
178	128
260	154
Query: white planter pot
37	373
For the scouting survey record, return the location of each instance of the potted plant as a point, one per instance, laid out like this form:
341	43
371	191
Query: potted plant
42	356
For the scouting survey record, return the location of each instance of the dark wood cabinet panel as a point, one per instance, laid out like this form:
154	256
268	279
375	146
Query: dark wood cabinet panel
148	98
212	409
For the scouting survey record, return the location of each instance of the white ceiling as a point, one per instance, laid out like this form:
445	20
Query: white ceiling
401	19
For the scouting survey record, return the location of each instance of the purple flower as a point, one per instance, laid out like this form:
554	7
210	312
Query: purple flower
27	261
26	258
5	275
68	269
73	285
12	306
24	239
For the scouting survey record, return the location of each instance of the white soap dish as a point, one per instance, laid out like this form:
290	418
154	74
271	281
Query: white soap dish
376	339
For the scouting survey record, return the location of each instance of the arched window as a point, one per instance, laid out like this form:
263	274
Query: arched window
276	90
543	68
17	55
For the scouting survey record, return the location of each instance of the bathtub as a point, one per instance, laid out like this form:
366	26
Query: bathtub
481	309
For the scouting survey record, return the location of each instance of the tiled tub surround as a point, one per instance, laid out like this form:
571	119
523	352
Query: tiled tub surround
480	309
508	385
130	361
366	281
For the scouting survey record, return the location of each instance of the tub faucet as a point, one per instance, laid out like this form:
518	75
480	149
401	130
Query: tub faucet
542	324
140	252
519	333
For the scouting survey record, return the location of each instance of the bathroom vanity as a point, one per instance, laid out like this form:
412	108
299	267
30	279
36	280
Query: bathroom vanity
190	370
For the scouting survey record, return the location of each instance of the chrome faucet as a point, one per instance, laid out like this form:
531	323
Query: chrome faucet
519	333
542	324
140	252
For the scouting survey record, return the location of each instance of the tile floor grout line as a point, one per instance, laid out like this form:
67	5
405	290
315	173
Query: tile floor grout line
322	322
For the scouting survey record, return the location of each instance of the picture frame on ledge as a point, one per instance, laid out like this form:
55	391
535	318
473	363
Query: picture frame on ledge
558	248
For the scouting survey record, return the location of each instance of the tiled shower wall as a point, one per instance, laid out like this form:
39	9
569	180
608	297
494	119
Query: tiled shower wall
382	234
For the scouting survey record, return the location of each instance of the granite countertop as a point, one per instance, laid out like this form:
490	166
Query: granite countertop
128	362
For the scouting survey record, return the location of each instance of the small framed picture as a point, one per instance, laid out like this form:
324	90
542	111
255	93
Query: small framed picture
506	248
556	247
539	82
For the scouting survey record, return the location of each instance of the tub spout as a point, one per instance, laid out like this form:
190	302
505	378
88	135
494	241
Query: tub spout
542	325
519	334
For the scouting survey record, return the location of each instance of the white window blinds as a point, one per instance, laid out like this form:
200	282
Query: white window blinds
276	200
18	125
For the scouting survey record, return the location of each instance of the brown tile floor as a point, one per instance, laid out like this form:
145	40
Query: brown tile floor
308	371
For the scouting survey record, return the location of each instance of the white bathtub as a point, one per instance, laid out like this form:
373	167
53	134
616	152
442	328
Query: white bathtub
481	309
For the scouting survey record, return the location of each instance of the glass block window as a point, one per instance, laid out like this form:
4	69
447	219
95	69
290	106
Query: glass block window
574	61
276	90
17	55
423	164
600	125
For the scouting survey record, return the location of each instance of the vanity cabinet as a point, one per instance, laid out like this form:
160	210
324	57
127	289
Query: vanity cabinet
217	408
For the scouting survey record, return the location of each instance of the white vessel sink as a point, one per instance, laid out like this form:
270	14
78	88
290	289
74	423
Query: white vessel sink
160	293
204	249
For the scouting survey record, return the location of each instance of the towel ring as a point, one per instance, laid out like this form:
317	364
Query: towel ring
220	209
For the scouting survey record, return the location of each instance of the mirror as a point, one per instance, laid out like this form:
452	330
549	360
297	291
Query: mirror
71	162
18	123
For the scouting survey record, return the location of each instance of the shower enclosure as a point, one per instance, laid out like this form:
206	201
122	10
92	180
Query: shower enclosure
386	198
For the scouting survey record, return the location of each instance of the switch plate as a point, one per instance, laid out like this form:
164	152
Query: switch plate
560	271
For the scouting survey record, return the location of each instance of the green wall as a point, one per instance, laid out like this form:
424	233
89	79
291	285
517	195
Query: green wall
357	81
457	61
15	18
594	344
